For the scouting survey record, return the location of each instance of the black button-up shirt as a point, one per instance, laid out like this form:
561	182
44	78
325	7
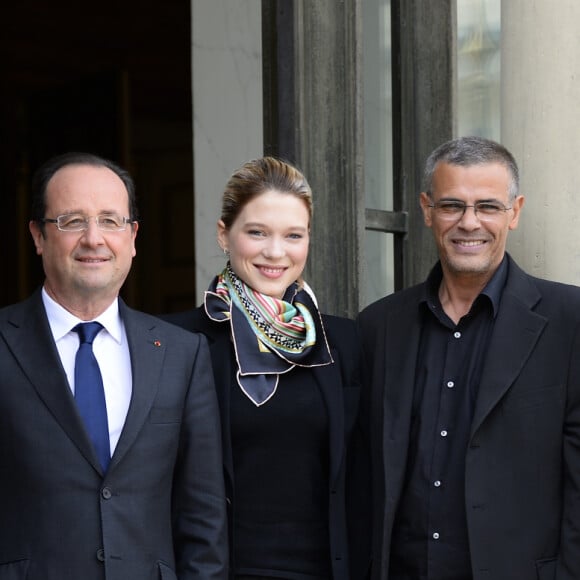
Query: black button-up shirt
430	540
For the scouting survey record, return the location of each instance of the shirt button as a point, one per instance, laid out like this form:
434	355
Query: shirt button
437	483
450	384
435	535
443	433
457	334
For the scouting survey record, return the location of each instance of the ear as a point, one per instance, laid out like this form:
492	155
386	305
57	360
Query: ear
222	235
517	206
134	228
37	236
426	201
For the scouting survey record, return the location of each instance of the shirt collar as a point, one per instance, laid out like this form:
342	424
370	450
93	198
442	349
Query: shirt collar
62	321
493	289
495	286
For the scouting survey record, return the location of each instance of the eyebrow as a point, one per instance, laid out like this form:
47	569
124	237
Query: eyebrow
444	198
83	212
263	225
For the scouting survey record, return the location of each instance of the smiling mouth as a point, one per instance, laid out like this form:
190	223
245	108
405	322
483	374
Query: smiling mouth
272	271
92	260
469	243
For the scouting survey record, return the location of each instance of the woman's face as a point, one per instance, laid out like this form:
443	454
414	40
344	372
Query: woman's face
268	242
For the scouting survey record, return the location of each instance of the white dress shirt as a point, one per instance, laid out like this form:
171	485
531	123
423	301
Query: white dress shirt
111	351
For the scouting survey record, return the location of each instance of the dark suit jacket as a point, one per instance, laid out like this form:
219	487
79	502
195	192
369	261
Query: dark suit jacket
340	387
159	512
522	477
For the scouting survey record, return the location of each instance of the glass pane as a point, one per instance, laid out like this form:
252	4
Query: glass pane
378	140
379	265
478	68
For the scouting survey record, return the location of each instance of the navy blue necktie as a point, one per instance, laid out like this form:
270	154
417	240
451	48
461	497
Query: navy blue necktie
89	392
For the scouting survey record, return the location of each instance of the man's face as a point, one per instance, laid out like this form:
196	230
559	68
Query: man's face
90	266
471	244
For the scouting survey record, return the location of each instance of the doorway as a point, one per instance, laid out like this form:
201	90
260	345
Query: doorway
113	79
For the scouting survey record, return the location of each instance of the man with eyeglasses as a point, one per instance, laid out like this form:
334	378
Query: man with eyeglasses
473	394
110	451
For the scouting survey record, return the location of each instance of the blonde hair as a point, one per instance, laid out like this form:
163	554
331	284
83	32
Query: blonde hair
258	176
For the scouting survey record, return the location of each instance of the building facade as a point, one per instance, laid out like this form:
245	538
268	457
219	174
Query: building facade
356	93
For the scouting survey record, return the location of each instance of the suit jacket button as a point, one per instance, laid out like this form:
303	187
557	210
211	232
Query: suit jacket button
106	493
101	555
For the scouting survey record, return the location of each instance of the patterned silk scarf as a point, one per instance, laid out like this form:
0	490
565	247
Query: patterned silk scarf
270	336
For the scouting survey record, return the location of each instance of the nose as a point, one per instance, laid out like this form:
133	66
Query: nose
92	235
274	248
469	220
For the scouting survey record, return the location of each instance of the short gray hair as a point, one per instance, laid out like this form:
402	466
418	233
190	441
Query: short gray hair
468	151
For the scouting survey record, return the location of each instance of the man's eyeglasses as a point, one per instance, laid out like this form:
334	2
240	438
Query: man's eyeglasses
78	222
453	210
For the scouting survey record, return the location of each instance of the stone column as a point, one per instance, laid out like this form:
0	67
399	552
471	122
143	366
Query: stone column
328	93
540	124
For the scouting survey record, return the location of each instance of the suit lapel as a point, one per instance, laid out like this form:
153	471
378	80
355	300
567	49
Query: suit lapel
400	346
223	364
330	384
29	337
396	354
516	331
147	346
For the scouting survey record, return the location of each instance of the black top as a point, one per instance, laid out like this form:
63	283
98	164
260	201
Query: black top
280	457
335	389
430	538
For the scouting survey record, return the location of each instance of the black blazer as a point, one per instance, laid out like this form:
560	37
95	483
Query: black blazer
522	478
340	387
59	518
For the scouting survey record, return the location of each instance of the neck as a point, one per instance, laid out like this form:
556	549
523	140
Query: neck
457	294
83	307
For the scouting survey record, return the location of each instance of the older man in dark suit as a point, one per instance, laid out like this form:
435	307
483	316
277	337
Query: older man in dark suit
110	451
474	394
